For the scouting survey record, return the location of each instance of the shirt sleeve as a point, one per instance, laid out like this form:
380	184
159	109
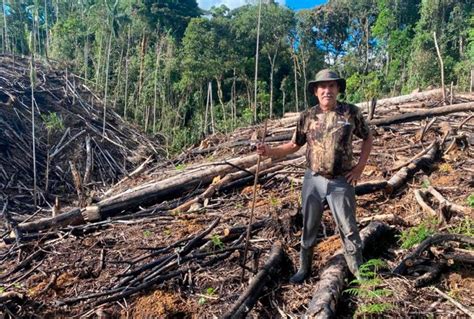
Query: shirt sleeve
361	127
299	136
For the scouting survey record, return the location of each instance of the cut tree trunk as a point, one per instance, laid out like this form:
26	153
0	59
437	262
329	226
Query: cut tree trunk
408	117
72	217
253	292
329	287
142	195
403	99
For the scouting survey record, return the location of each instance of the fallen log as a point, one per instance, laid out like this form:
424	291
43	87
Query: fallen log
218	184
420	154
169	187
370	187
403	99
141	196
432	240
408	117
458	255
449	205
73	217
419	196
423	162
391	219
428	277
265	276
328	289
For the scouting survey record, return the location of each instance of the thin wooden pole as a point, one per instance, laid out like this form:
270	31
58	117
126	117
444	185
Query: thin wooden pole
256	62
441	65
33	133
249	227
471	86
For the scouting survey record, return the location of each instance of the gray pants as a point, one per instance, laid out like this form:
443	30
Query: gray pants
340	197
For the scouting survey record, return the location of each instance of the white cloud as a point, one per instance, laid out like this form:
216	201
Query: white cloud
231	4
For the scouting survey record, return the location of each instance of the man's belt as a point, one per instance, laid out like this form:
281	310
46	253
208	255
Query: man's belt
326	175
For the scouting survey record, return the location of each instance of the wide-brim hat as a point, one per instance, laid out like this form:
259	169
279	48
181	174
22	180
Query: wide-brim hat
327	75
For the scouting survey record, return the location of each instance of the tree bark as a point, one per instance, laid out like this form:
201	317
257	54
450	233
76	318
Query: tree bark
72	217
328	289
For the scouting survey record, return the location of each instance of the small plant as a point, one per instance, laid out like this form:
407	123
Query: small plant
167	232
202	301
445	168
180	167
416	235
274	201
217	242
470	200
147	233
53	122
465	227
2	289
210	158
239	205
210	292
425	184
368	289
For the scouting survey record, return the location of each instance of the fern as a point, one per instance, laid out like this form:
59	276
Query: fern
368	288
416	235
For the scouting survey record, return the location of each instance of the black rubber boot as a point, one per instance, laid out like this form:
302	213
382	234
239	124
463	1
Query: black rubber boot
306	260
354	262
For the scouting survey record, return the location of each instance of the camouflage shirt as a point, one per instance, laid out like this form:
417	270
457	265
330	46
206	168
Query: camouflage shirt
329	137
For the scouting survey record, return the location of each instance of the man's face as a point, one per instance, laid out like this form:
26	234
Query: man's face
326	92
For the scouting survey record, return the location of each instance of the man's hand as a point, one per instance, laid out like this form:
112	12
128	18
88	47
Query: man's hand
263	149
354	175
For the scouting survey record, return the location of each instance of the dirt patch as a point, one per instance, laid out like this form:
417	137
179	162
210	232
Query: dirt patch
160	304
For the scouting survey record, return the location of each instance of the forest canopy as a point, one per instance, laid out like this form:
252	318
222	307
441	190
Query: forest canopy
183	72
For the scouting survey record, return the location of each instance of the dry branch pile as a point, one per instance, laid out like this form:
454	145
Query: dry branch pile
73	157
170	241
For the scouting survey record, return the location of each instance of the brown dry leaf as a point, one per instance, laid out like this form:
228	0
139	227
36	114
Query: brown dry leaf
216	180
249	190
33	292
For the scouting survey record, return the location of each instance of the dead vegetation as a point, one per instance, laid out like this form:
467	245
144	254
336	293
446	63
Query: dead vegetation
169	240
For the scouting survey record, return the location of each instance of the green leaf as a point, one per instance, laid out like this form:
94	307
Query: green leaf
210	291
202	301
470	200
217	242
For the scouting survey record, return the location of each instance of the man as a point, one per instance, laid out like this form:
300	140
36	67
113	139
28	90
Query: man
327	129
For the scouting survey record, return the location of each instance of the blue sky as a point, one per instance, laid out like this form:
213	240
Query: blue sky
303	4
293	4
